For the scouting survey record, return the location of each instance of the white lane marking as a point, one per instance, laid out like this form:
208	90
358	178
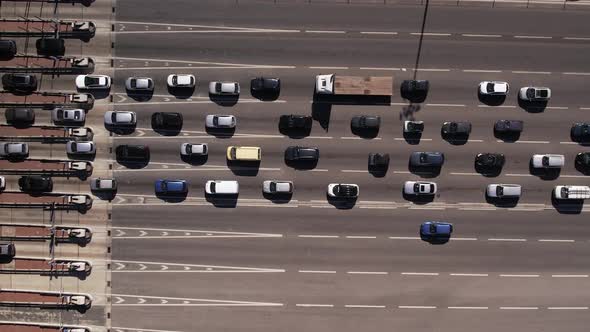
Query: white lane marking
121	329
576	73
568	143
429	34
569	276
379	68
533	37
404	238
211	302
572	176
353	171
585	108
519	308
207	233
419	273
519	275
480	36
481	71
468	308
518	174
508	240
326	67
499	106
432	69
475	140
556	240
200	31
446	105
464	239
314	305
378	33
416	307
533	142
319	236
557	107
360	237
203	67
194	26
364	306
325	31
469	274
207	267
401	172
351	137
576	38
531	72
368	272
317	271
567	308
318	170
244	65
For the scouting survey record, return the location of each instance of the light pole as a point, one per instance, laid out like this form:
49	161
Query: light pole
420	41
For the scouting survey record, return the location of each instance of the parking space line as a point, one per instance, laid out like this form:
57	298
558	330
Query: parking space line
326	67
404	238
319	236
531	72
446	105
378	32
436	34
481	71
325	31
360	237
533	37
480	36
567	308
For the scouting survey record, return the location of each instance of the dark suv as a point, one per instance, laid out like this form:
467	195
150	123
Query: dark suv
300	153
508	126
167	121
35	184
133	153
489	160
7	49
295	122
7	251
427	159
414	90
580	132
19	83
456	128
265	85
20	116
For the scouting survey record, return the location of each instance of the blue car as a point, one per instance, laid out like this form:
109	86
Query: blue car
171	187
436	232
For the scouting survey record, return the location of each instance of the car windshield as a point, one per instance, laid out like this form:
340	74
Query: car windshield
423	157
545	161
212	186
499	190
91	80
530	93
543	93
188	148
432	228
416	187
74	147
215	121
20	79
490	87
273	186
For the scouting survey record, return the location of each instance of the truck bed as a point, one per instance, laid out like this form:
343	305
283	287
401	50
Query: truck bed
370	86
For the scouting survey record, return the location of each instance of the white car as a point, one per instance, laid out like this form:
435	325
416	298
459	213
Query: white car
188	149
120	118
181	81
2	183
68	116
139	84
343	190
277	187
14	150
222	187
87	82
548	160
531	93
101	184
224	88
419	188
220	121
503	190
80	148
493	88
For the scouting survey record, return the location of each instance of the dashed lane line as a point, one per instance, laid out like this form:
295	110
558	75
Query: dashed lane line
532	37
378	33
314	305
319	236
519	308
420	273
364	306
368	272
469	274
557	240
317	271
507	240
531	72
569	276
567	308
327	68
416	307
480	35
468	308
519	275
435	34
480	71
326	31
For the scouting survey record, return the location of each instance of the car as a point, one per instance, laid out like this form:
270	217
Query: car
120	118
493	88
509	126
436	231
414	89
35	183
574	192
365	122
343	190
170	187
419	188
295	122
490	160
531	93
14	150
244	153
139	84
379	160
68	116
277	187
2	183
19	116
190	150
103	185
301	153
427	159
181	81
132	153
413	127
224	88
583	161
51	47
503	191
222	187
81	148
7	251
461	128
19	83
580	132
167	120
265	85
548	160
91	82
7	49
220	121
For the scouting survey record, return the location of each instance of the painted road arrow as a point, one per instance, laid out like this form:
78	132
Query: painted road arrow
159	233
179	301
155	267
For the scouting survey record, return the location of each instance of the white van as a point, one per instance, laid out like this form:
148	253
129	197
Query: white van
504	190
571	192
221	187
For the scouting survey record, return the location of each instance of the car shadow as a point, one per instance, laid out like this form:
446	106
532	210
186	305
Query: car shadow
532	106
195	160
502	202
365	133
415	98
243	168
83	157
182	93
265	96
507	137
301	165
491	100
425	172
227	201
439	241
133	164
569	206
226	101
140	96
352	100
578	141
295	134
97	93
105	196
120	130
176	198
487	171
341	203
455	139
418	199
378	172
544	174
278	198
320	112
412	138
581	169
221	133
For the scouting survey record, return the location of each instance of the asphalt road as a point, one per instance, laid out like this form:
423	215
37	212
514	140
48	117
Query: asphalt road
308	263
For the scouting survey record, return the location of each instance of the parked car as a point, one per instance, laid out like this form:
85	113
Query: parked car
580	132
75	117
7	49
379	160
300	153
575	192
427	159
167	120
583	161
489	160
19	83
139	84
35	183
436	232
295	122
503	191
365	122
7	251
419	188
508	126
531	93
2	183
132	153
80	148
20	116
548	160
181	81
453	128
414	89
93	82
343	190
193	150
14	150
103	185
493	88
222	187
120	118
413	127
220	121
265	85
170	187
51	47
224	88
277	187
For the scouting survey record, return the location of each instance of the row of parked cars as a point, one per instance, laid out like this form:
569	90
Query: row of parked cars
36	184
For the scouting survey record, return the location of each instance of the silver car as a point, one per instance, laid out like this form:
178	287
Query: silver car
532	93
80	148
181	81
68	116
120	118
224	88
139	84
220	121
277	187
100	184
188	149
548	160
503	190
14	150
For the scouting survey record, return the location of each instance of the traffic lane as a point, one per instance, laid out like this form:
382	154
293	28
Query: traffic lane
362	17
355	225
337	50
336	255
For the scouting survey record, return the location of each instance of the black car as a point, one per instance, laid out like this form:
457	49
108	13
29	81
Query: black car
300	153
365	122
489	160
583	161
427	159
167	120
7	251
295	122
35	184
508	126
19	116
132	153
456	128
581	132
23	83
7	49
378	160
265	85
51	46
414	90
